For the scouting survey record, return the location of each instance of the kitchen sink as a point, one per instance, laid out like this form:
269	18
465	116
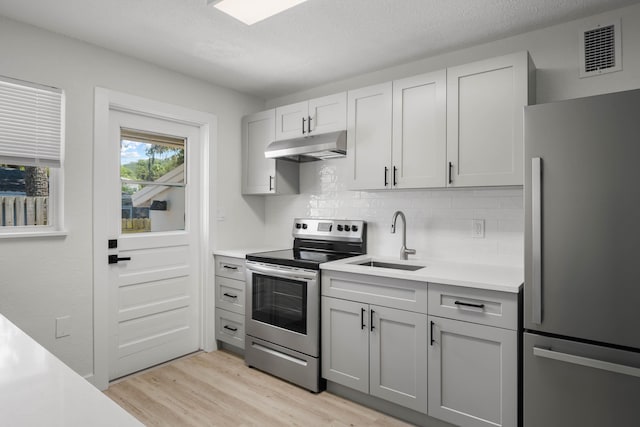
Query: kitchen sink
392	265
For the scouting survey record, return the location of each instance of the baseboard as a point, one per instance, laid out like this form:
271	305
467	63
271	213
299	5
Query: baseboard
386	407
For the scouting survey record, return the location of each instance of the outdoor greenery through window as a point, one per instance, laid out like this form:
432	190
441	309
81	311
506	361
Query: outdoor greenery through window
153	179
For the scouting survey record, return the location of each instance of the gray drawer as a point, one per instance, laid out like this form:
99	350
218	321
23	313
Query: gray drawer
481	306
230	294
232	268
384	291
230	327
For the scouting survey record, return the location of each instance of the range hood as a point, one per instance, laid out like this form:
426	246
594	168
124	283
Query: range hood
317	147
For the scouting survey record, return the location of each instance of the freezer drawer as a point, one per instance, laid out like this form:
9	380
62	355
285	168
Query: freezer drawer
569	384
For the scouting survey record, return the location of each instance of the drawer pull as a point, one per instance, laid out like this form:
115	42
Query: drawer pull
230	267
468	304
231	328
230	295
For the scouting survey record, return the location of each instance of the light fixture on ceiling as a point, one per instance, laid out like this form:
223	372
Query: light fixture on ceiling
252	11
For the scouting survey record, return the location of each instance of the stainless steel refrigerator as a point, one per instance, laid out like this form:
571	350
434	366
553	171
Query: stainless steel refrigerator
581	340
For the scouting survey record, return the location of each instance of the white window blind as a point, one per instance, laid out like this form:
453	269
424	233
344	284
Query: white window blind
31	124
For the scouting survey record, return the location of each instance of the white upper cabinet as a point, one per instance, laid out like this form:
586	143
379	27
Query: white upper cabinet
316	116
459	127
258	131
259	174
369	122
485	103
419	131
397	134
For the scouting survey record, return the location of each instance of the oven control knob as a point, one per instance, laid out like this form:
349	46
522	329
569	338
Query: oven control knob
298	225
347	228
354	228
339	227
304	226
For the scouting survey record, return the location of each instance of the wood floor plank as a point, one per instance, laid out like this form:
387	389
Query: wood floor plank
218	389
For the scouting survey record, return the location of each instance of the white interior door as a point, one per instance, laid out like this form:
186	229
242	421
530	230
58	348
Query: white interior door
153	188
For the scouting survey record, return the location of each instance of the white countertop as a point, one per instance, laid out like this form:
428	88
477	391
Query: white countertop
37	389
242	252
490	277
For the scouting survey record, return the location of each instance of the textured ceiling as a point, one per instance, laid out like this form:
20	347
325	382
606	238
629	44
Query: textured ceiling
312	44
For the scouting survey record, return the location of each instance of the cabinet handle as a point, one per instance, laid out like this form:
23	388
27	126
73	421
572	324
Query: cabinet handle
395	181
468	304
371	320
362	325
230	267
303	120
536	240
230	295
386	169
270	183
309	125
431	340
450	174
230	328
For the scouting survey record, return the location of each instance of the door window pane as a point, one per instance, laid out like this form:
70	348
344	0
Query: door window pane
153	180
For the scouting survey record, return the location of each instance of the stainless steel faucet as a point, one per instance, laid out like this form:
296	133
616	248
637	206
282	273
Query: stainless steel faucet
404	252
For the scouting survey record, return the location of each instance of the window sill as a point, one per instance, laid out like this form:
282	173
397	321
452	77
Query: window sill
31	234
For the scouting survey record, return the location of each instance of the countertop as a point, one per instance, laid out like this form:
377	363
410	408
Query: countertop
479	276
37	389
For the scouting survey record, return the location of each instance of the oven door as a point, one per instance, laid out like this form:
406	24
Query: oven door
283	306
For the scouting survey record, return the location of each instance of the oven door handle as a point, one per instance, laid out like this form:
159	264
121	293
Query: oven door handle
287	274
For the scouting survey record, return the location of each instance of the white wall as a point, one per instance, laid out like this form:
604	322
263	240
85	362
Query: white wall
45	278
439	221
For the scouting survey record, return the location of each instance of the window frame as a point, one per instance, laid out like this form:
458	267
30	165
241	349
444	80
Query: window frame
55	208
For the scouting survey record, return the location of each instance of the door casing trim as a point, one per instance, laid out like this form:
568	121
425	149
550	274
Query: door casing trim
106	100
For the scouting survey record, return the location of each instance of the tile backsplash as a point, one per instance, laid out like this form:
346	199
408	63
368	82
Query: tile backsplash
439	222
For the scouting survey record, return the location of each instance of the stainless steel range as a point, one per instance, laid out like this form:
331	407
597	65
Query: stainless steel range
283	298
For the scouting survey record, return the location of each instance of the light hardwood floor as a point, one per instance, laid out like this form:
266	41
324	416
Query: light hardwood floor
217	389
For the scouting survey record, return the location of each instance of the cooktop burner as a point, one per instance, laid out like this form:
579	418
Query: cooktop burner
297	258
317	241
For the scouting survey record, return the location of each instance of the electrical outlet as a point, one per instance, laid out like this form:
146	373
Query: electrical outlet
477	228
63	326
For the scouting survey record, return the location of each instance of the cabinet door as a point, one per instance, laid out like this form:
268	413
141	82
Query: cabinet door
258	172
345	343
472	373
485	103
291	120
328	114
419	131
369	137
399	357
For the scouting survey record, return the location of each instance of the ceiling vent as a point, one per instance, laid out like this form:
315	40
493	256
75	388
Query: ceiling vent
600	49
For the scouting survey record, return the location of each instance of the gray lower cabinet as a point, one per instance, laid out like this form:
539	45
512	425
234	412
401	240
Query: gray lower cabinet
345	343
450	352
230	298
472	373
377	350
473	356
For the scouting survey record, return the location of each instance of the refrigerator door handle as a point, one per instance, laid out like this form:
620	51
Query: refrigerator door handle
536	239
586	361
